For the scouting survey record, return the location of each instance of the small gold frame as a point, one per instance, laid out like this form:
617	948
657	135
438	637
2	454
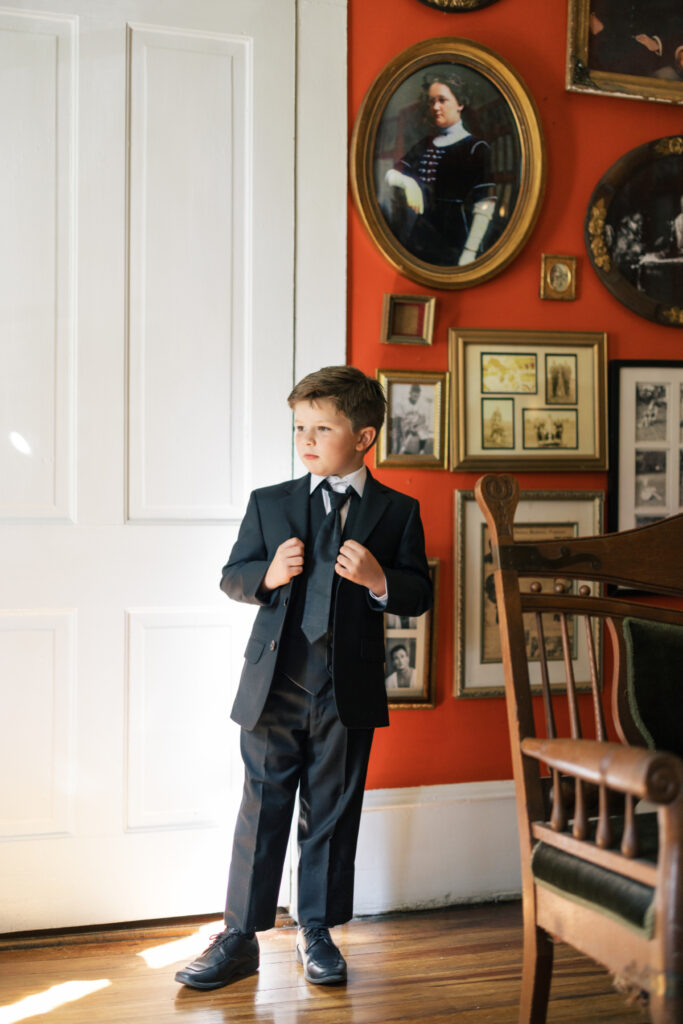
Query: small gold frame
558	277
415	431
407	319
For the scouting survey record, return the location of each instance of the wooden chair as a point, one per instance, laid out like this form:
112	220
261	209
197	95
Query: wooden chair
598	872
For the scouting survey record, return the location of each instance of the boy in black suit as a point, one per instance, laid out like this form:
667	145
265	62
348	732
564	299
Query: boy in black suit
323	556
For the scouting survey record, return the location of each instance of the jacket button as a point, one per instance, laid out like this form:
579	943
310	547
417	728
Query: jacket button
273	644
285	602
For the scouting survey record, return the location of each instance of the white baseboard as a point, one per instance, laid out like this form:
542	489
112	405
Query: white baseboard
434	846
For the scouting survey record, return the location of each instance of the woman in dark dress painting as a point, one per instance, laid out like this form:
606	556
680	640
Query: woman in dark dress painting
443	198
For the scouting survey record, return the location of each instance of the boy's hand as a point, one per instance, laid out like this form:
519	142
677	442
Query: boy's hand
356	563
288	562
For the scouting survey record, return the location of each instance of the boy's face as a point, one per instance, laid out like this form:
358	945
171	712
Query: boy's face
325	440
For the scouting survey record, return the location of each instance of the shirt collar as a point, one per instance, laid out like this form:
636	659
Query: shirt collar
452	134
356	480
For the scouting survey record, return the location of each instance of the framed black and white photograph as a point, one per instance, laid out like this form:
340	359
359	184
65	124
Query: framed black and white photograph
447	162
555	416
646	442
541	516
414	432
631	50
407	319
634	230
410	653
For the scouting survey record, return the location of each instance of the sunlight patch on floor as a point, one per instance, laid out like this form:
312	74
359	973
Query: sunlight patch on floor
50	999
186	948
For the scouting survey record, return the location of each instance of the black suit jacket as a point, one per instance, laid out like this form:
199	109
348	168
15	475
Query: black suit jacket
388	524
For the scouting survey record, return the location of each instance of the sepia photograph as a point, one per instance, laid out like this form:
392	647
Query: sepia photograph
550	428
497	423
558	277
560	380
410	653
511	374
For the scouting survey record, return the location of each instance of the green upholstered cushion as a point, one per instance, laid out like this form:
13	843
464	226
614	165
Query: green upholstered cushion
654	652
628	901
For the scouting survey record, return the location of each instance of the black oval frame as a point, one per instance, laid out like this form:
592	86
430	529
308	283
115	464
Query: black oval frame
663	159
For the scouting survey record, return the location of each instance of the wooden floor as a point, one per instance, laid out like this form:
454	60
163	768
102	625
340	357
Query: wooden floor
437	966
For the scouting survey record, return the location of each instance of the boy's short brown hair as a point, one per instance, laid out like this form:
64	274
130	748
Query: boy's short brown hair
358	397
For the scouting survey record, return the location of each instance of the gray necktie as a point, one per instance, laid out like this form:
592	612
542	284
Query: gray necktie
315	619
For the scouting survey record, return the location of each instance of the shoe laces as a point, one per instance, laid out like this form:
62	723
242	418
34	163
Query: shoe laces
317	934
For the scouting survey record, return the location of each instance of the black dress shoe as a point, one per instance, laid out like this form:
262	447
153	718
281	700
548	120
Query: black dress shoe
230	956
323	963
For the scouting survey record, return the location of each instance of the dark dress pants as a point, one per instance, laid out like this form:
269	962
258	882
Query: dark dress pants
299	741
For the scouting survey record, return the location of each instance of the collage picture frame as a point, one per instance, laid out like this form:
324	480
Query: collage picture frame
542	516
410	653
645	481
528	400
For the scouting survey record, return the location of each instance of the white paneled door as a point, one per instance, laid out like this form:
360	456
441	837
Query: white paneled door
146	346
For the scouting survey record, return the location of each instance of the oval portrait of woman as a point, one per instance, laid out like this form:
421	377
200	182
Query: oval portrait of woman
441	173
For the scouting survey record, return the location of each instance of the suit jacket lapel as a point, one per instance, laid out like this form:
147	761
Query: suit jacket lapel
296	505
372	507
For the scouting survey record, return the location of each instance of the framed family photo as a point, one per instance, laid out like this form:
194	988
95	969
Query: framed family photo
528	400
447	163
541	516
407	319
630	50
415	430
634	230
410	653
646	441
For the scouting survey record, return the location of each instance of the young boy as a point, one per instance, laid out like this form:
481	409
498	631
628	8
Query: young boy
323	556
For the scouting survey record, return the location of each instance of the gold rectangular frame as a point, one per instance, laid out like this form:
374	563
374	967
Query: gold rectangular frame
558	277
407	319
580	77
545	512
427	427
575	432
422	632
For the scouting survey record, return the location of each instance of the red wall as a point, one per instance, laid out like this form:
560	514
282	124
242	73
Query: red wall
466	739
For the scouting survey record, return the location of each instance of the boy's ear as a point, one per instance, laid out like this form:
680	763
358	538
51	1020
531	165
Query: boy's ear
366	438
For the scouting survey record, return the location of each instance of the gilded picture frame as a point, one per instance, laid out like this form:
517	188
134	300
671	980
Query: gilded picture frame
558	278
541	515
634	230
457	6
645	481
407	319
414	433
467	222
410	645
557	382
632	51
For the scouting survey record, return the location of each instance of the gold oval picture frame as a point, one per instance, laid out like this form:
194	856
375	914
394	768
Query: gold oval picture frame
448	214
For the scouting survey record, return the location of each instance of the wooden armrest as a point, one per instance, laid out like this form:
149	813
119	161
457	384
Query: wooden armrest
645	774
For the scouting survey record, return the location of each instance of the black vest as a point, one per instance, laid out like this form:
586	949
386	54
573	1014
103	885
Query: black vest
306	664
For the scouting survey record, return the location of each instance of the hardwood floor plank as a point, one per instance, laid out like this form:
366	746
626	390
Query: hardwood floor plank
461	964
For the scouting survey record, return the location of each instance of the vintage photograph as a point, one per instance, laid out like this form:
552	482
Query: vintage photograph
447	162
410	654
569	431
558	277
650	470
631	50
560	380
634	230
541	516
645	480
652	411
407	319
497	423
414	431
552	634
508	374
